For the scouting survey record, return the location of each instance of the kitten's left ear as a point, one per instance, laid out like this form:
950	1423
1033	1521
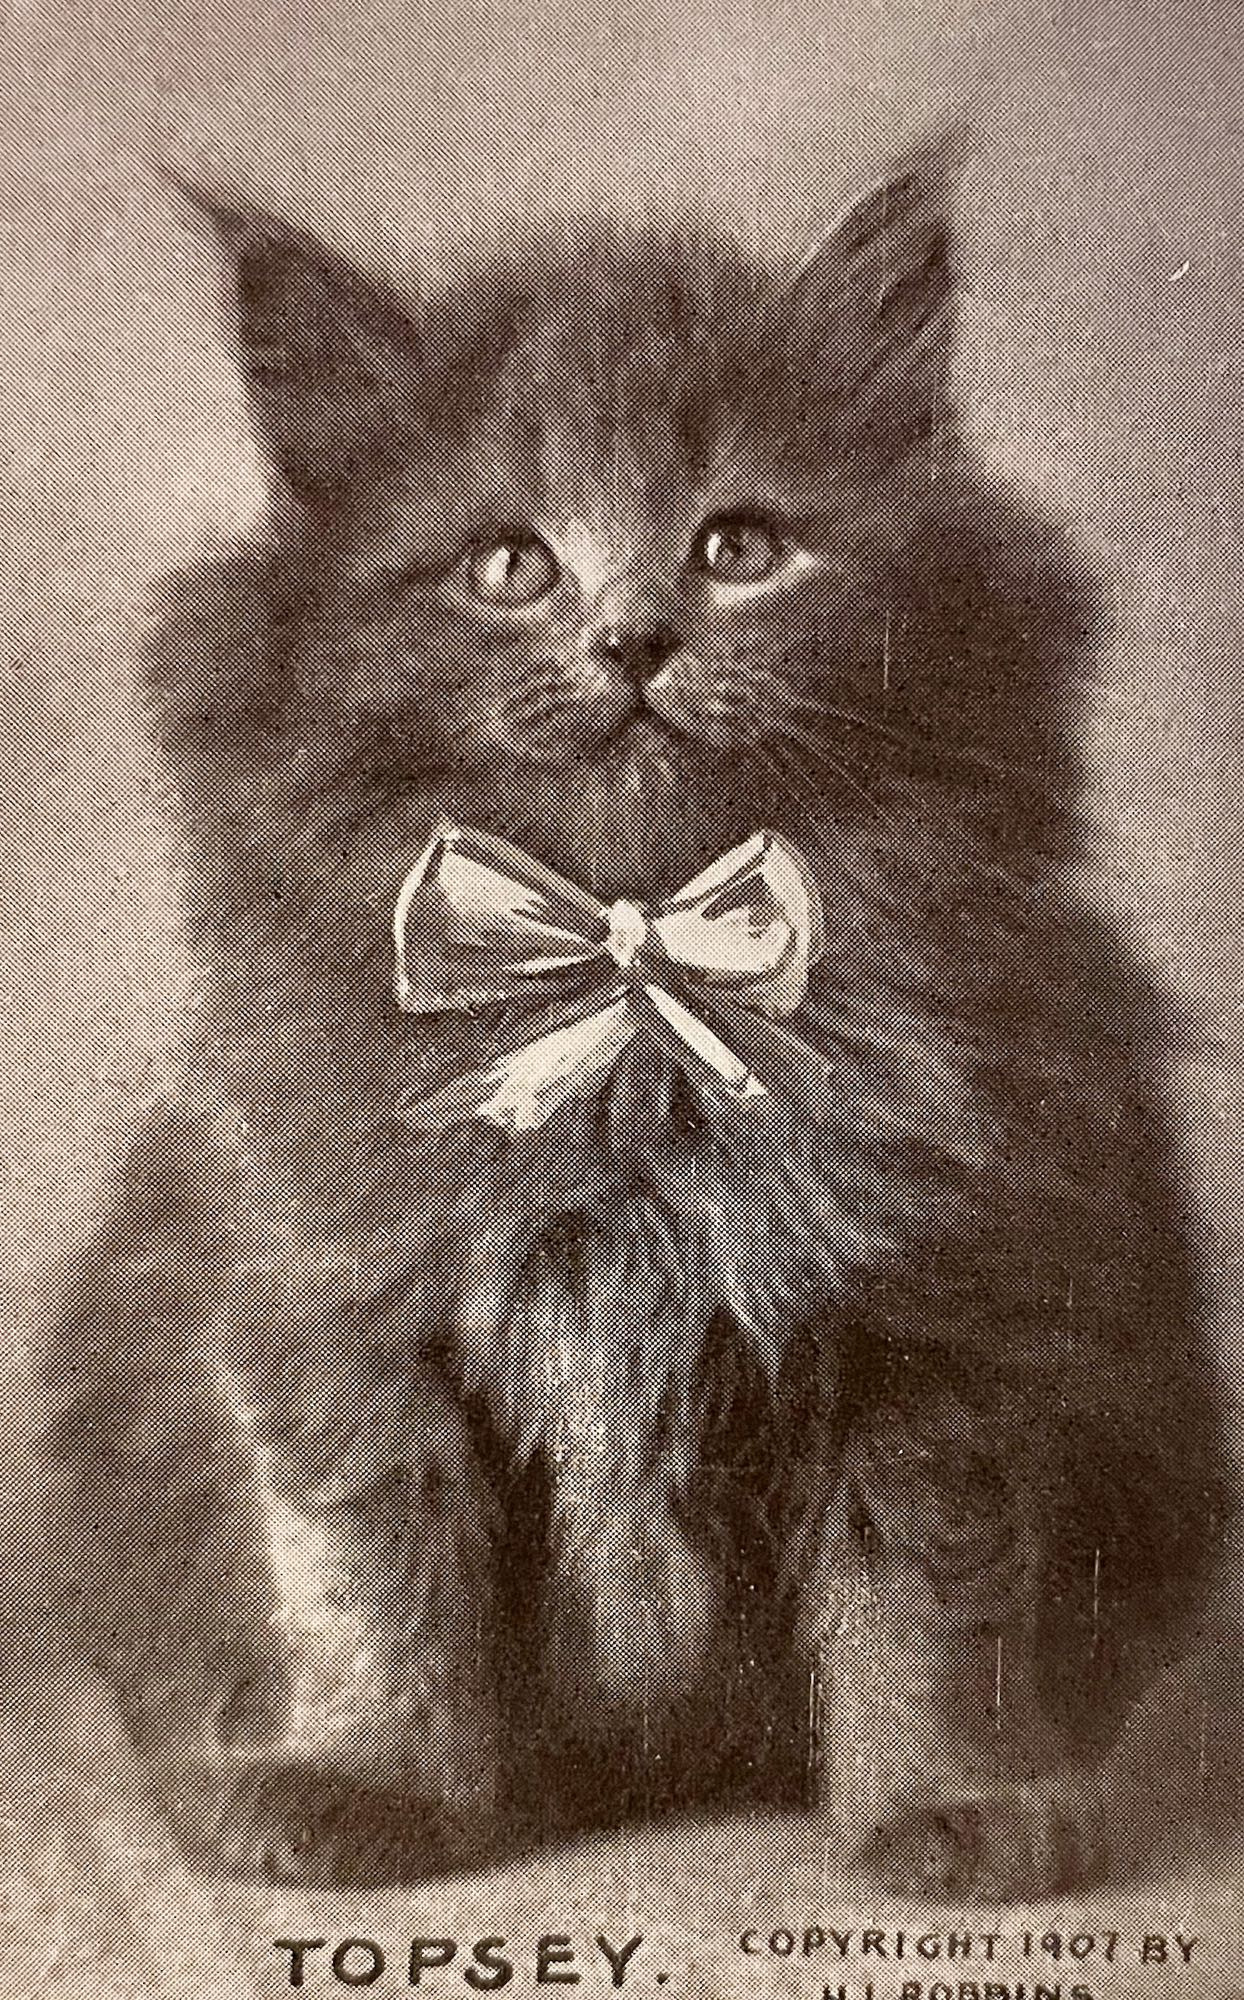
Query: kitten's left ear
868	317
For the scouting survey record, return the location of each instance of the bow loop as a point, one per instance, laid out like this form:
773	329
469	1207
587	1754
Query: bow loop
751	921
481	925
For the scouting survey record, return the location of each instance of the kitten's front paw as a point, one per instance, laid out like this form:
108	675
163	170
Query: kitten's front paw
1013	1846
294	1824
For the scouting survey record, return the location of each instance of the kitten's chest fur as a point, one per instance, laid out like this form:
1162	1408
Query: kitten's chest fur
590	1261
576	1280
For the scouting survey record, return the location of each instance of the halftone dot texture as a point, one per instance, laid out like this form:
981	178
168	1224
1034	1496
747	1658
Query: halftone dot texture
322	1488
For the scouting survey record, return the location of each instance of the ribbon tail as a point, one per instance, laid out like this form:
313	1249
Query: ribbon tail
801	1075
710	1064
762	1065
523	1086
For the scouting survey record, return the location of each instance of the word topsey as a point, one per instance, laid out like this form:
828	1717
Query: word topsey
484	1964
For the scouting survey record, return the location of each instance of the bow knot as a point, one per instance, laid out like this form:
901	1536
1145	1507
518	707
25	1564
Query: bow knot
482	927
628	932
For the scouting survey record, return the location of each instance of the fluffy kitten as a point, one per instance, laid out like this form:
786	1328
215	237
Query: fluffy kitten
466	1489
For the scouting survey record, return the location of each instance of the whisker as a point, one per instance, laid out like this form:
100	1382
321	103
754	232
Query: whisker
945	751
797	702
881	888
937	825
822	755
536	674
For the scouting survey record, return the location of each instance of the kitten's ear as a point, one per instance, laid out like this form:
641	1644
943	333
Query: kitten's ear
330	356
869	315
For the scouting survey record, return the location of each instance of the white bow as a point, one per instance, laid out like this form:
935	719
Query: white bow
565	982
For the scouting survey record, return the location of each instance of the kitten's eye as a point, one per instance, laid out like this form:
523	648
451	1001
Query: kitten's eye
738	548
512	568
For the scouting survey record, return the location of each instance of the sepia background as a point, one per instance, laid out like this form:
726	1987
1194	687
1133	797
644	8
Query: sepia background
1102	364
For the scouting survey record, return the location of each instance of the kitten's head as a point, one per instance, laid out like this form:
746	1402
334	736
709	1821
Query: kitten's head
610	548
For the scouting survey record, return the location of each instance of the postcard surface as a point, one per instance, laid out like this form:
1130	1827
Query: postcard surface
623	1242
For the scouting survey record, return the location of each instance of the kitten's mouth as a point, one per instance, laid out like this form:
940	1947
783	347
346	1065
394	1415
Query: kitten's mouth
639	734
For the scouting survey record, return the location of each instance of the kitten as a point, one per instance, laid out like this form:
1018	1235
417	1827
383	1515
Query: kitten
469	1488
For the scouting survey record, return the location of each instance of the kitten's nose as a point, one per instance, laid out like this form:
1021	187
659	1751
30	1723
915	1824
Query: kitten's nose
638	651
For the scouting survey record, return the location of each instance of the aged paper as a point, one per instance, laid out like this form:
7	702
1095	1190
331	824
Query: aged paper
622	1239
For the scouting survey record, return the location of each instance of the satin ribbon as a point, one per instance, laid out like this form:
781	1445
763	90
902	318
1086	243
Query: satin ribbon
561	983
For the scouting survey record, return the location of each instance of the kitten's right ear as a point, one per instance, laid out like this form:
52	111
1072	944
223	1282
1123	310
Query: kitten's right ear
330	356
867	322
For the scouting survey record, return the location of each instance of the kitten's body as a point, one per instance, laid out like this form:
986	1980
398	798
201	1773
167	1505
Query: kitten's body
612	1429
